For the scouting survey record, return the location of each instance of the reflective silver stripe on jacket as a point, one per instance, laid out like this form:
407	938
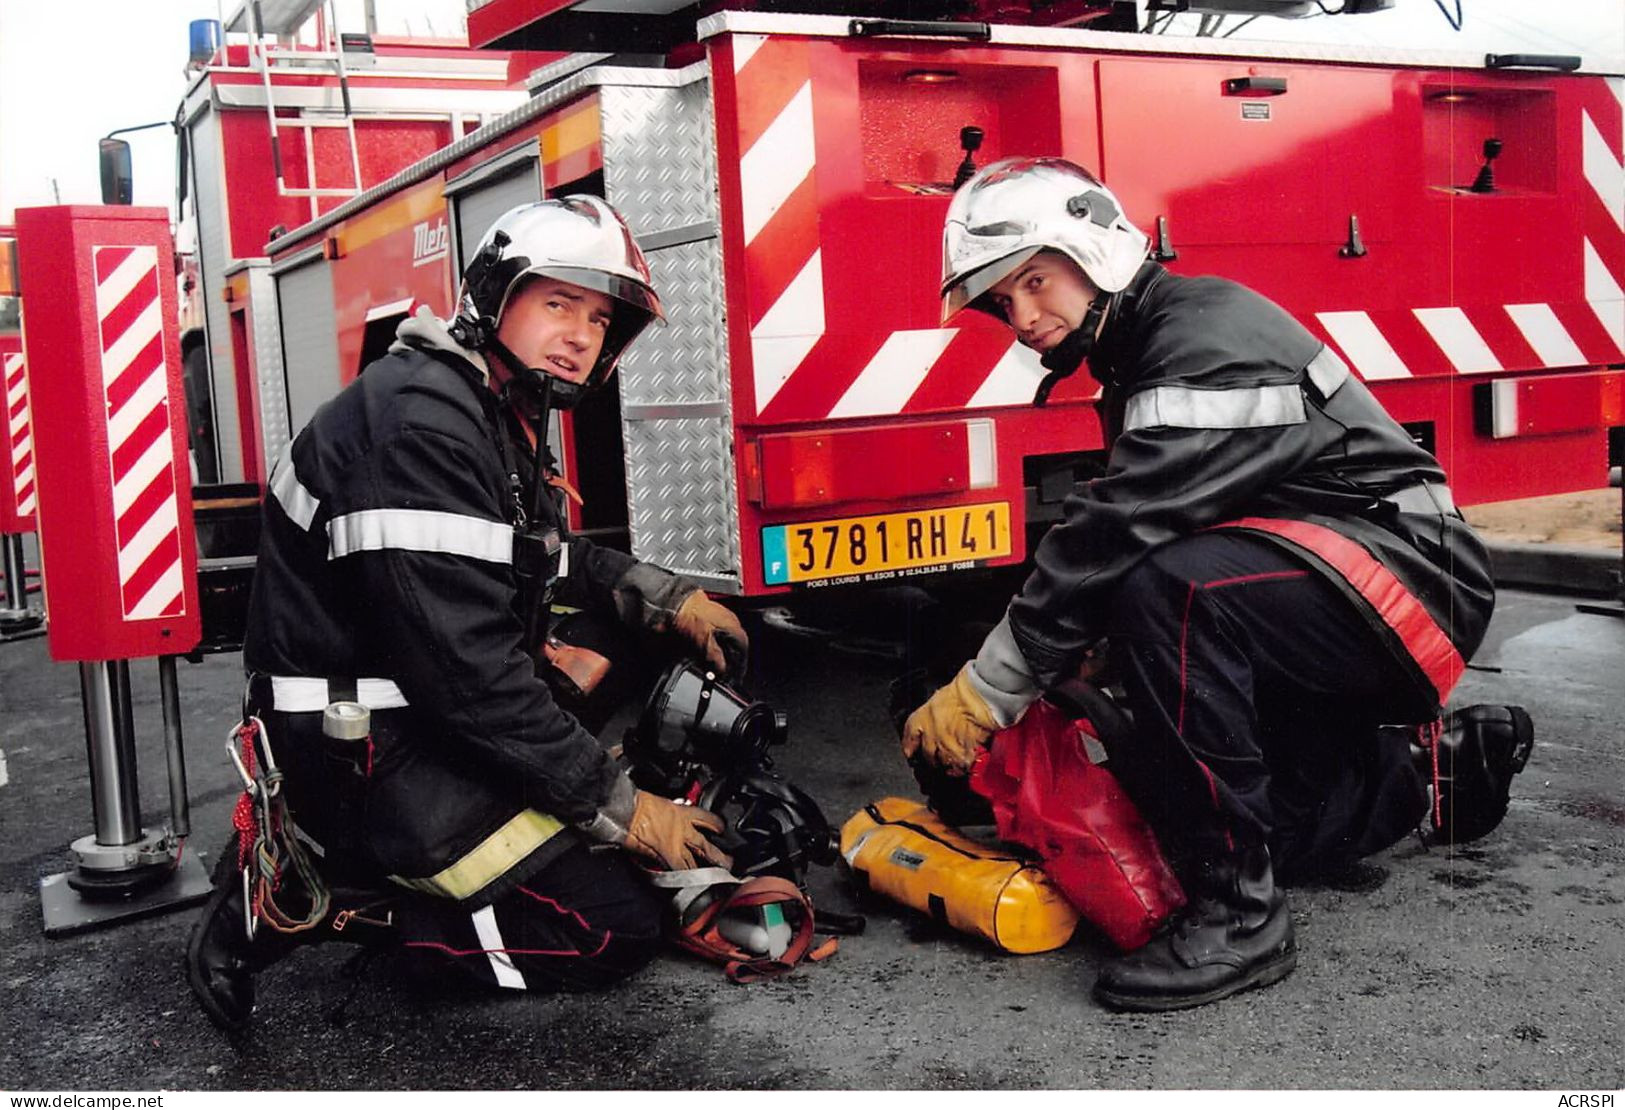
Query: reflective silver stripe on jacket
1259	406
297	501
419	530
1328	371
1426	498
296	694
1178	406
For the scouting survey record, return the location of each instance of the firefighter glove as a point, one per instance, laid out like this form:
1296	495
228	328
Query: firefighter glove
673	835
715	633
953	727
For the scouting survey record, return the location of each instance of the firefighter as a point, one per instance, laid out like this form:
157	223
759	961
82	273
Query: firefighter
406	554
1275	566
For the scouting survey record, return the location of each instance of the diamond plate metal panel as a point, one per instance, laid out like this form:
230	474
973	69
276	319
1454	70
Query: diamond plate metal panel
660	155
267	355
685	360
660	172
680	481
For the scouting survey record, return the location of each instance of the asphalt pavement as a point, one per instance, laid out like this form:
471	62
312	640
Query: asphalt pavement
1500	964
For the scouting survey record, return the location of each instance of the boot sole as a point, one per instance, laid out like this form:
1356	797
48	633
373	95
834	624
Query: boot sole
1273	972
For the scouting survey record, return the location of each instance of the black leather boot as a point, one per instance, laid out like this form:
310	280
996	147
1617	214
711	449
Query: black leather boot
1469	766
1235	934
222	959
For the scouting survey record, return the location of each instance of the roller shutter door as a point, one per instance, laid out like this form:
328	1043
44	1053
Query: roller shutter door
310	356
480	205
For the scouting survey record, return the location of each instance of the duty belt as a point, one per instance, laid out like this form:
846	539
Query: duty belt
301	694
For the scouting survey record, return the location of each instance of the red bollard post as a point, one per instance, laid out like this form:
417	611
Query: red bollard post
114	511
18	619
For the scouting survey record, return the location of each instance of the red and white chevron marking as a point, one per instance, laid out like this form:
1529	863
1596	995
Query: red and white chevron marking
19	436
785	268
779	208
1485	339
135	380
1603	161
948	368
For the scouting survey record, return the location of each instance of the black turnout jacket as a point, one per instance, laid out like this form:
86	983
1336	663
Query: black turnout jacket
1222	410
386	565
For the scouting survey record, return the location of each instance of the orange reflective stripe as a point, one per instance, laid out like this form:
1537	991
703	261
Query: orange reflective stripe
1399	609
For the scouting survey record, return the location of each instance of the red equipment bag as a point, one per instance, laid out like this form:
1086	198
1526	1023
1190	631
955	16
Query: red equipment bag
1050	796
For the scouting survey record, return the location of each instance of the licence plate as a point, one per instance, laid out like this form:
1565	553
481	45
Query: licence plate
865	548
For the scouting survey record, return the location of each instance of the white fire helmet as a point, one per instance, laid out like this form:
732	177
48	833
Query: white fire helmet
1016	207
579	239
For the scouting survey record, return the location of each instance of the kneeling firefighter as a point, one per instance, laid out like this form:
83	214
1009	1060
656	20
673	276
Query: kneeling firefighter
1277	569
413	546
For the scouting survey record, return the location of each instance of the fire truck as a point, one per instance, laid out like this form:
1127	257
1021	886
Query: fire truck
284	118
1452	224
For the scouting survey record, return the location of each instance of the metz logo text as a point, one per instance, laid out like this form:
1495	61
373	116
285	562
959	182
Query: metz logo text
429	242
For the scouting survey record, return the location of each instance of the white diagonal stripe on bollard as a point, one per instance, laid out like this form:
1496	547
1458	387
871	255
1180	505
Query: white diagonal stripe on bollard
114	287
134	368
145	328
163	596
148	396
159	527
130	485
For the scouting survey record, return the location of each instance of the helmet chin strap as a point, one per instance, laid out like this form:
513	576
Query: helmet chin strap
1063	360
531	386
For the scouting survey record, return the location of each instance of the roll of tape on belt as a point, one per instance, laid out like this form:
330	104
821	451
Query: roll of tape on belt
346	720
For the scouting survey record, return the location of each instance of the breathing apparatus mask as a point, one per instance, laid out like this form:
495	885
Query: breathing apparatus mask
701	740
1014	208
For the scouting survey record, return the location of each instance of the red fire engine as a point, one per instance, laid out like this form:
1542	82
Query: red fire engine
1453	225
280	125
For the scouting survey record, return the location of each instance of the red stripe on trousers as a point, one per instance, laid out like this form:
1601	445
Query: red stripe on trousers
450	951
1398	608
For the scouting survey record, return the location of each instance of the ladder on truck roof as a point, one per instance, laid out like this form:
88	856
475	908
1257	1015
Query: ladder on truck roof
277	20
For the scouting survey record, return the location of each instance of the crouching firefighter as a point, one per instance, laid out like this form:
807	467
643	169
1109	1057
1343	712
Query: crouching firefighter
413	544
1276	567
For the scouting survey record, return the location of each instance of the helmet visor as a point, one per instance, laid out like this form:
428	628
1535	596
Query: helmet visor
628	292
968	290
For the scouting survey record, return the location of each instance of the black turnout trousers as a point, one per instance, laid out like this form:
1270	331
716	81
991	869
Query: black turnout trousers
585	921
1257	690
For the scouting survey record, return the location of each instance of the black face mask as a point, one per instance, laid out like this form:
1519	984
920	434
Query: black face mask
1063	360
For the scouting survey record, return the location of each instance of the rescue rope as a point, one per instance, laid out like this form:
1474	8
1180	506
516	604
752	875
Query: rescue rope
276	868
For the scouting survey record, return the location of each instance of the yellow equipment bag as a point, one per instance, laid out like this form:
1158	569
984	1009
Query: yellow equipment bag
901	849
